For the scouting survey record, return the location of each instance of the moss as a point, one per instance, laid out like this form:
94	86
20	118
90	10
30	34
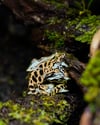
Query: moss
83	28
74	25
54	20
2	122
55	38
83	6
91	79
57	4
37	110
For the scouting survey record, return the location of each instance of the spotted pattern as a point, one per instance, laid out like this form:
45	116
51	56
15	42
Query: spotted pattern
46	68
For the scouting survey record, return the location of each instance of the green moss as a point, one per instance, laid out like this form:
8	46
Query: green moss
54	20
55	38
84	26
40	110
2	122
83	7
57	4
91	78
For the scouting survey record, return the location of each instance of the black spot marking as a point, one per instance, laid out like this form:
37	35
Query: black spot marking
31	81
34	79
41	72
40	66
58	88
45	64
54	57
49	63
33	91
35	73
30	86
39	78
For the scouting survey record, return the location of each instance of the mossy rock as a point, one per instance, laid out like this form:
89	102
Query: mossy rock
37	110
83	28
